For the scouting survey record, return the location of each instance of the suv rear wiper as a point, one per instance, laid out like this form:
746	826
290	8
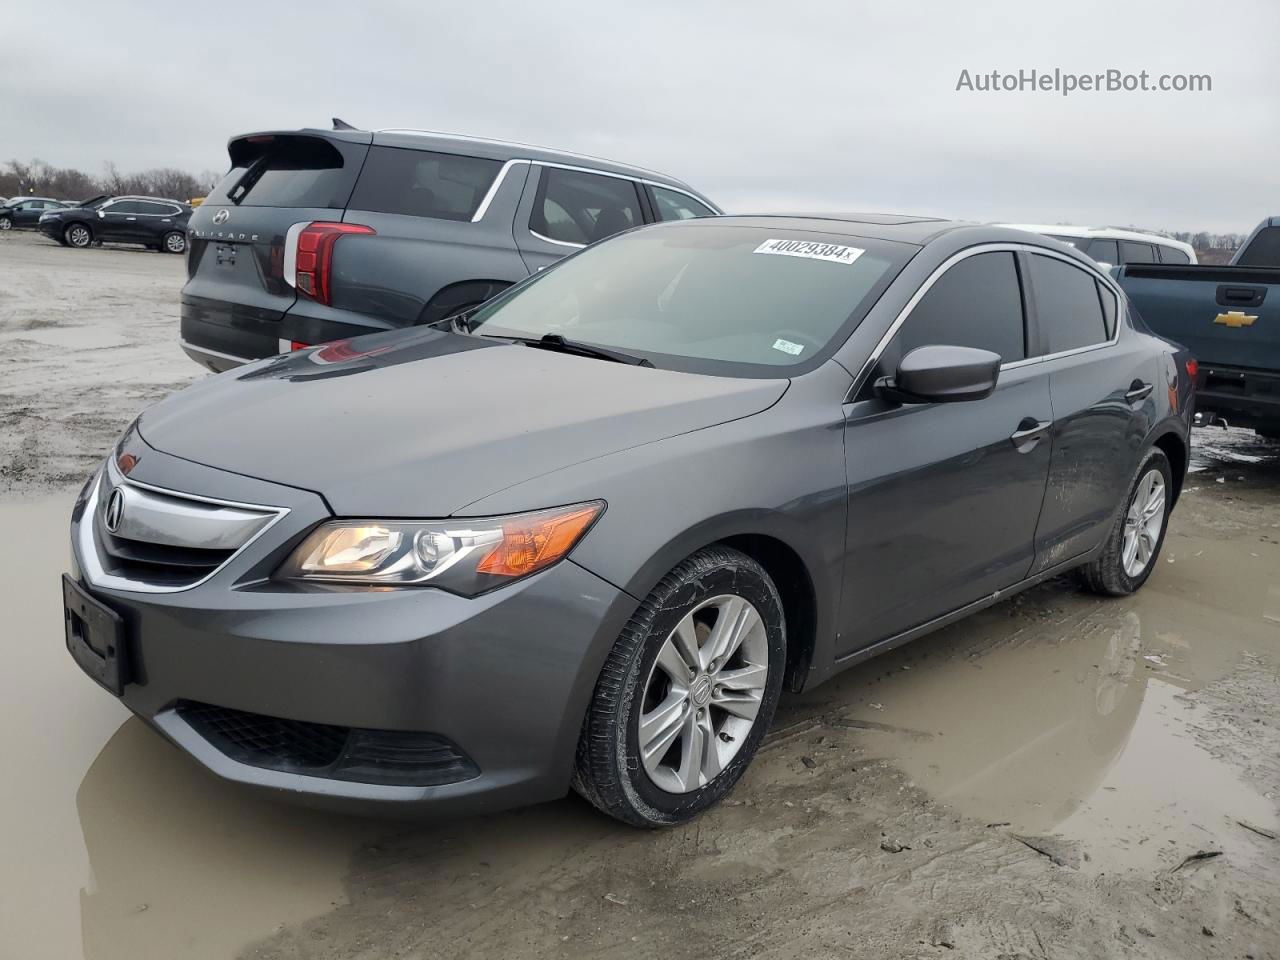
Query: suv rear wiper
553	341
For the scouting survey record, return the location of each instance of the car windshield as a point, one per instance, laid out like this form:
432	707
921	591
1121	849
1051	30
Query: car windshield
705	296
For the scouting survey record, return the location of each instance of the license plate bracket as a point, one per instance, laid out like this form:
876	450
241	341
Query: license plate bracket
95	637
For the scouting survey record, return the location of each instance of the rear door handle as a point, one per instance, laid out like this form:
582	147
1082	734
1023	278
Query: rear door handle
1138	391
1029	433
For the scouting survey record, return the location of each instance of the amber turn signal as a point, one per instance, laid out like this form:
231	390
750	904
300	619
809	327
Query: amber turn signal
533	541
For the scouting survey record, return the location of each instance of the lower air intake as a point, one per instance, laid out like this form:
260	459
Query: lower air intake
391	757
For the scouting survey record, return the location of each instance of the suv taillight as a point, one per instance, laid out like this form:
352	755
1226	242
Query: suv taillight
314	256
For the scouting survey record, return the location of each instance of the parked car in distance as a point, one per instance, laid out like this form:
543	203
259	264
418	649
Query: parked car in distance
1229	317
316	235
464	566
153	222
1112	247
25	212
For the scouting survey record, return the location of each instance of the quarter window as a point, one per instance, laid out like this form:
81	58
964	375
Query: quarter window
671	205
1108	310
422	183
1068	308
581	208
1137	252
1173	255
977	303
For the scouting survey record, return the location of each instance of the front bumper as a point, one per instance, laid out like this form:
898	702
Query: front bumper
51	228
506	676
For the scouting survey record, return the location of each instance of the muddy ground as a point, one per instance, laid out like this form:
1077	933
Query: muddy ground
1059	776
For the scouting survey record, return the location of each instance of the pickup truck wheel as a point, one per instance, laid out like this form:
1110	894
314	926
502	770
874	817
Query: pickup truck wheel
78	235
687	693
1133	543
175	241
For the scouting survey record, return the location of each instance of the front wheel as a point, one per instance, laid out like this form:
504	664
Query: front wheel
175	241
78	235
6	223
687	692
1133	544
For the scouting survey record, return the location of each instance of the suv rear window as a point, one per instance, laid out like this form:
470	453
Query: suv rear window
421	183
285	172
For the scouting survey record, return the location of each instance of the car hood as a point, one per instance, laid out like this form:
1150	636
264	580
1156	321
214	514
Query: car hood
421	423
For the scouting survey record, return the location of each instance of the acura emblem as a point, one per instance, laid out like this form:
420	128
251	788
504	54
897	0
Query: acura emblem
222	216
115	510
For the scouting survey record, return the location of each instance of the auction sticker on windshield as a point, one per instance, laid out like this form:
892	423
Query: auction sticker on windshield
810	250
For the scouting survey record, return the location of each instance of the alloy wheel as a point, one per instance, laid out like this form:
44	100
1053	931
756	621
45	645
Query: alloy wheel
1143	523
78	236
175	243
703	694
6	223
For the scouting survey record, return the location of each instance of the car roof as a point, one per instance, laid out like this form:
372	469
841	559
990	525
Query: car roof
20	199
903	228
138	196
1105	233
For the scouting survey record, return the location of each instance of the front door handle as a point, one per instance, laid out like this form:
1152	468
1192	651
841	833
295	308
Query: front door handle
1138	391
1029	433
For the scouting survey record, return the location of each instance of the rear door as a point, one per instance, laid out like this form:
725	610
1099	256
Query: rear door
1102	379
564	209
236	294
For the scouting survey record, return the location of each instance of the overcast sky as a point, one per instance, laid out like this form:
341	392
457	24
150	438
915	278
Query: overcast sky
800	105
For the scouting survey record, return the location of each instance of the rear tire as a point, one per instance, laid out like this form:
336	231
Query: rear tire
687	693
1134	541
175	241
77	235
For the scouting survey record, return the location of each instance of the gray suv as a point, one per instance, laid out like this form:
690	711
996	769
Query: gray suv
319	235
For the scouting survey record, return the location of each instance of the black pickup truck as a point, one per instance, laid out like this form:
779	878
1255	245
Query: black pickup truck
1229	318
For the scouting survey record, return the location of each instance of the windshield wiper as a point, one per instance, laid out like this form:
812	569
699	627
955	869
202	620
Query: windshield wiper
553	341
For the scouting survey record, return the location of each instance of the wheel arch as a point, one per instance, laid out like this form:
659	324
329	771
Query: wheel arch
449	298
1175	447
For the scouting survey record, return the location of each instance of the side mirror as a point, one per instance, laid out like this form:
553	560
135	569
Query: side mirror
940	374
101	214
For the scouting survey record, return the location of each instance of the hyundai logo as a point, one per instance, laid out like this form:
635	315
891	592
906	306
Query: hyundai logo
222	216
115	510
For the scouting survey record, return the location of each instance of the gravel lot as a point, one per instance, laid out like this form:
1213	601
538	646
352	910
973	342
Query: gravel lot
1059	776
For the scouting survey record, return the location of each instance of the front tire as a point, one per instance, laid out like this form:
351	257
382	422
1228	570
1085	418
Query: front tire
6	223
77	235
687	693
1133	544
175	241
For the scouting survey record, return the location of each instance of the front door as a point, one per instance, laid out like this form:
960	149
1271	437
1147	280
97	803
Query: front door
944	497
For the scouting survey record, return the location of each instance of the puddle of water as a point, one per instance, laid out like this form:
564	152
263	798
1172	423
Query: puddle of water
1065	714
115	844
1214	448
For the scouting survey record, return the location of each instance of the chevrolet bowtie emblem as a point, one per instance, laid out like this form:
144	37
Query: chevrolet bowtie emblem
1236	318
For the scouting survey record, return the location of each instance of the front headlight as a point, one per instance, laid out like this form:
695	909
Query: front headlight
467	556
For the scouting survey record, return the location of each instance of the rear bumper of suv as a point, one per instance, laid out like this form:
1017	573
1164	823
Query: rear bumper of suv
387	701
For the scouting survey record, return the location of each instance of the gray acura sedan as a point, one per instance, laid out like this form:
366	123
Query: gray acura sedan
584	535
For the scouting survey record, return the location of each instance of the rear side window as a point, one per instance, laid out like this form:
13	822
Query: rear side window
1172	255
156	209
672	205
1067	305
1105	251
1263	250
977	303
421	183
1137	252
127	206
581	208
285	172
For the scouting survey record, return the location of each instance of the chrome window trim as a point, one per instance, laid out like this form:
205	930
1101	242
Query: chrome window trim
87	549
874	357
558	243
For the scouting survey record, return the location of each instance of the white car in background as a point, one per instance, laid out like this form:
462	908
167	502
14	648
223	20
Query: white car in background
1112	247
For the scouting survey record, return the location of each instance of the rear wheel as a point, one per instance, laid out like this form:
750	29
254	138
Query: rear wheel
687	692
78	235
175	241
1134	542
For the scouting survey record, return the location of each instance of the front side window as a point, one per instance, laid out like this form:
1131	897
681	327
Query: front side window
1067	305
705	297
422	183
1137	252
581	208
976	303
672	205
1105	251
